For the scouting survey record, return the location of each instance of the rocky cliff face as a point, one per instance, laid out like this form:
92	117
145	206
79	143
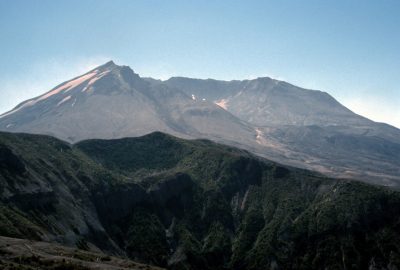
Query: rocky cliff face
192	205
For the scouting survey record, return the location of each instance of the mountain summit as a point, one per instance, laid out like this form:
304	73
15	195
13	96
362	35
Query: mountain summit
271	118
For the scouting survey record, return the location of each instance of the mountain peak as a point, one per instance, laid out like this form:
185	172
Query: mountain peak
268	117
110	65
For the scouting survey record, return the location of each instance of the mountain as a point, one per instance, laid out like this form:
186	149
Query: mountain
265	101
306	128
112	102
273	119
189	204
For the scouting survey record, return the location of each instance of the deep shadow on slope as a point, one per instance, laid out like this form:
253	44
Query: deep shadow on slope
192	205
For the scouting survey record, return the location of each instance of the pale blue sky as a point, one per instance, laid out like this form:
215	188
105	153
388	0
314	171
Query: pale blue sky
348	48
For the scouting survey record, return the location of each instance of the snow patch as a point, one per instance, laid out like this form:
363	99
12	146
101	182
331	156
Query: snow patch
68	86
28	103
64	100
93	80
80	80
223	103
9	125
259	136
65	87
204	99
193	97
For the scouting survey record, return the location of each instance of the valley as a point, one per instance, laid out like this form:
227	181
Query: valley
191	204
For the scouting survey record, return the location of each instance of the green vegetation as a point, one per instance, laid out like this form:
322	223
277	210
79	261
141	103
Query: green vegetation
193	205
146	238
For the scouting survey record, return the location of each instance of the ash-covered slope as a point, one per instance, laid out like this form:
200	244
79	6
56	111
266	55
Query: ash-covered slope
112	102
190	205
264	101
270	118
306	128
268	102
95	104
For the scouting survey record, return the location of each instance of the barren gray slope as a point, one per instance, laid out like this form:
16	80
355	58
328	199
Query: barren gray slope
113	102
271	118
306	128
267	102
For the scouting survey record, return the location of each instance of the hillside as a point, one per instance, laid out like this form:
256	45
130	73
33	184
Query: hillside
270	118
195	204
24	254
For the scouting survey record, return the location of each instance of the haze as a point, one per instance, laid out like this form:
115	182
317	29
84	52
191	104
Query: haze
346	48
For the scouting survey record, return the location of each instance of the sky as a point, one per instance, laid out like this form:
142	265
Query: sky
347	48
